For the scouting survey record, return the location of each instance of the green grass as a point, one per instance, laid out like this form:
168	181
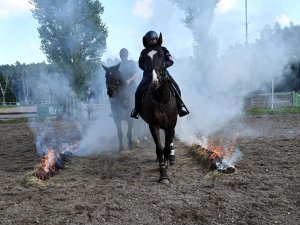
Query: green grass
7	106
17	120
275	111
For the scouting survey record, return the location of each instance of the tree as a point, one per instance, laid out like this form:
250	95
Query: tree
198	19
6	73
289	38
22	74
73	37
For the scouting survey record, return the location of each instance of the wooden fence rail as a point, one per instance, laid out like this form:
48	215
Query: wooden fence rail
266	100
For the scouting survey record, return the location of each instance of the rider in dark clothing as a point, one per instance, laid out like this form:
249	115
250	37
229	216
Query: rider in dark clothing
127	69
151	40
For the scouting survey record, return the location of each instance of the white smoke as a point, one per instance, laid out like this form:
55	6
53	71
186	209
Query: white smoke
230	161
217	97
100	136
213	86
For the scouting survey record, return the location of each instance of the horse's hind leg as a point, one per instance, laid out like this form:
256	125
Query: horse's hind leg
120	134
169	151
159	152
129	133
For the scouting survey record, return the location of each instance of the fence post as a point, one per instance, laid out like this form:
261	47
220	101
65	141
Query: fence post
272	104
294	99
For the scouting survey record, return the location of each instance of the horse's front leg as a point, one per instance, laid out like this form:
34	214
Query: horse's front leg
163	178
169	151
120	133
129	133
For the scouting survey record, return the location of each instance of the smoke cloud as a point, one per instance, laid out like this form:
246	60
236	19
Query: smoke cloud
213	86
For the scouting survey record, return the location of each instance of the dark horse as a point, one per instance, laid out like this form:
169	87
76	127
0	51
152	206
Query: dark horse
159	110
121	102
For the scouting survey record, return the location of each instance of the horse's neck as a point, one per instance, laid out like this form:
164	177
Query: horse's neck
124	91
161	94
122	96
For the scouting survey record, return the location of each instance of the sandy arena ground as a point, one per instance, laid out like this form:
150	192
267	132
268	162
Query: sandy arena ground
123	189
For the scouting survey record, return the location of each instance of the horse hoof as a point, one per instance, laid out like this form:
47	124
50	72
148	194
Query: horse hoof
137	143
163	178
164	181
131	146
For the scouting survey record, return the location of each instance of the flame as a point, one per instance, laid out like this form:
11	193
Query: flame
52	161
223	152
48	161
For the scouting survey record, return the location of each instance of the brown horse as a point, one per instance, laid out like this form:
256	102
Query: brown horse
159	110
121	102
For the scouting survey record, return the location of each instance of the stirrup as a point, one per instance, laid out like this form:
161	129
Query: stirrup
182	112
134	114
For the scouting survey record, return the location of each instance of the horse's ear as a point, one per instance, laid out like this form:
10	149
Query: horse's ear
104	67
160	39
145	42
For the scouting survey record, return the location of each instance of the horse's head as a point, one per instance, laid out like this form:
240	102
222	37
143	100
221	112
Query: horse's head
112	79
155	64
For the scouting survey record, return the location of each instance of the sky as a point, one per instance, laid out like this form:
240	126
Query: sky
129	20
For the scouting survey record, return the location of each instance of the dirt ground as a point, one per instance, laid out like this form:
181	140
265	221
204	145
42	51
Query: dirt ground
123	189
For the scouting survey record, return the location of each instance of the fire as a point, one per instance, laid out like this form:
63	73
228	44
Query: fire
53	160
219	151
222	154
48	161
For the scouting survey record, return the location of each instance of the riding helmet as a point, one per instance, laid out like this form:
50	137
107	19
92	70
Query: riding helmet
123	53
151	39
150	35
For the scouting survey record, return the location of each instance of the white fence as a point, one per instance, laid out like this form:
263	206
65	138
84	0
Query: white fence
277	100
28	103
81	111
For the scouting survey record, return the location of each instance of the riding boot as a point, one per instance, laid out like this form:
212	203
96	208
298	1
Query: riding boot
135	112
181	109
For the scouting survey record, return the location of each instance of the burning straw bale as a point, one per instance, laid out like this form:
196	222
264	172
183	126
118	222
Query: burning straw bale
210	159
31	180
51	164
53	161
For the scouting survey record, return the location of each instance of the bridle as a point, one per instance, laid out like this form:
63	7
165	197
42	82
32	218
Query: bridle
112	85
157	67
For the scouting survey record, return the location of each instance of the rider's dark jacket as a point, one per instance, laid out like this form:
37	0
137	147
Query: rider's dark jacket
147	79
168	58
